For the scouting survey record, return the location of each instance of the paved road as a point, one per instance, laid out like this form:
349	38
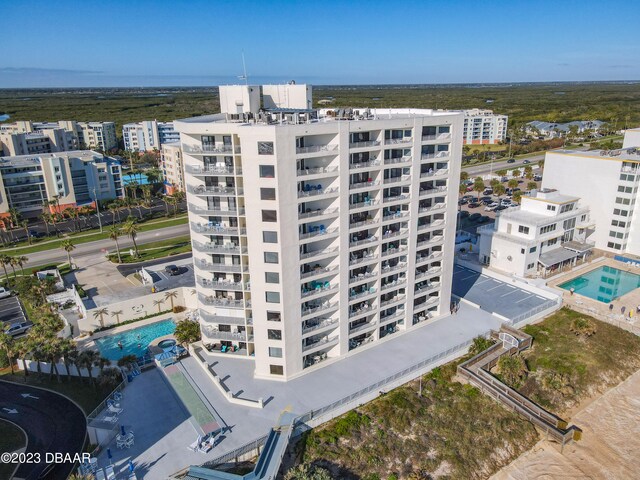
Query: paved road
53	423
95	248
501	165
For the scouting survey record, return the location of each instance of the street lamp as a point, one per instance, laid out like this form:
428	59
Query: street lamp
95	197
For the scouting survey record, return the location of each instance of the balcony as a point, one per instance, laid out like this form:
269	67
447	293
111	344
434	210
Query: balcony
364	241
319	271
214	334
312	326
216	228
212	170
322	342
427	192
429	156
365	258
363	223
395	283
225	320
325	307
212	247
371	163
401	178
397	141
392	234
362	277
353	295
427	258
329	232
395	216
430	302
316	192
428	287
317	253
219	267
317	213
398	160
428	273
222	284
367	144
433	208
395	299
221	302
394	251
395	198
435	173
363	326
206	149
356	186
219	191
316	171
398	266
362	310
319	290
215	210
316	149
441	136
366	203
397	315
427	226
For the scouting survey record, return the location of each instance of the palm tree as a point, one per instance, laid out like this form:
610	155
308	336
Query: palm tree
67	349
99	314
499	190
86	359
187	331
541	164
131	229
46	218
501	172
117	314
101	363
464	175
13	262
8	344
114	208
170	295
158	303
163	197
532	185
146	193
4	261
517	196
515	173
478	186
462	189
174	203
23	349
25	224
114	233
68	246
53	353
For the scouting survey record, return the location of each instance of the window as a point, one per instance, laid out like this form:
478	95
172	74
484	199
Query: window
616	246
551	207
522	251
269	216
530	266
272	277
265	148
274	316
623	213
523	229
567	208
618	223
270	257
553	241
547	229
532	249
276	369
270	237
273	334
267	194
275	352
272	297
267	171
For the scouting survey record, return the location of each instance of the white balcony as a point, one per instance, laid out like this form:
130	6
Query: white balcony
322	342
325	307
429	156
367	203
203	190
222	284
212	170
395	216
215	334
398	141
398	160
221	302
219	267
217	229
362	277
435	173
364	259
212	247
318	213
433	208
319	325
316	171
357	186
318	253
318	272
395	198
317	192
366	144
399	179
316	149
319	291
391	301
208	149
225	320
361	295
427	192
363	223
218	211
321	232
358	165
394	251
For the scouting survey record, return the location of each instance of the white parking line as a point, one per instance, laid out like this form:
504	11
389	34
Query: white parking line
508	293
523	299
493	288
467	278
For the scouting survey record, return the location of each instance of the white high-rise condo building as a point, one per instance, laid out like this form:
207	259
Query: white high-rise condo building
317	233
172	167
148	135
607	182
483	127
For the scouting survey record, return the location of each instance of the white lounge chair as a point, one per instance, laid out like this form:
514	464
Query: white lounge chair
100	474
111	475
110	419
194	446
114	409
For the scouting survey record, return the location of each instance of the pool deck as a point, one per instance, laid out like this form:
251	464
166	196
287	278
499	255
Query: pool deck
619	314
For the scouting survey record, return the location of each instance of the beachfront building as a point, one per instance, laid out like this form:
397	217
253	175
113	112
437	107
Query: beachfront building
148	135
607	182
73	179
547	232
172	167
483	127
318	232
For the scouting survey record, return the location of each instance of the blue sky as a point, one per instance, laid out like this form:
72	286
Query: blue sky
163	43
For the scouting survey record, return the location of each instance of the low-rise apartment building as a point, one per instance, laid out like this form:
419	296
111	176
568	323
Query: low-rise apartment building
148	135
483	127
554	129
316	233
548	231
73	179
172	167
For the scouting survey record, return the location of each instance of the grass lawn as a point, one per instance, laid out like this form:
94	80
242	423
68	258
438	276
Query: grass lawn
489	147
85	395
452	428
11	439
153	250
88	236
566	368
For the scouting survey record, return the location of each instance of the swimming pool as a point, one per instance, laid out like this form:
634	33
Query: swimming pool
603	284
135	341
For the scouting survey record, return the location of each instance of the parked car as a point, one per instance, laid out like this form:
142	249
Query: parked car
487	201
15	329
527	162
462	201
468	198
537	178
490	208
4	292
501	207
36	234
511	160
172	270
488	191
482	199
470	188
505	201
474	205
484	219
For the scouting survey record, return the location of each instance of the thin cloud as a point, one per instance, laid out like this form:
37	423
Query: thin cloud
45	71
620	66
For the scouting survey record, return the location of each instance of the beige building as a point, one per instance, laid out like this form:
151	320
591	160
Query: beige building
172	167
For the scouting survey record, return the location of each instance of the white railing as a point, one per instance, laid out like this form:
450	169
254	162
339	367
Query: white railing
367	203
370	163
316	213
393	161
316	148
316	192
316	253
316	170
368	143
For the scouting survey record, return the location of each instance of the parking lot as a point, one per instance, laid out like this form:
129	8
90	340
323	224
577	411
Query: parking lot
492	294
11	311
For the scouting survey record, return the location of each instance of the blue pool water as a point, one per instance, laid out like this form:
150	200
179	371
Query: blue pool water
141	179
603	284
130	339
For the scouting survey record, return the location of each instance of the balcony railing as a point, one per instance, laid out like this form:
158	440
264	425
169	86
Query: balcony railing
316	192
322	323
395	198
368	143
367	203
364	309
398	266
316	148
219	267
317	233
432	191
324	341
398	314
428	156
318	271
316	253
355	186
396	298
212	247
396	160
363	326
211	318
428	273
401	178
365	293
435	173
396	141
391	234
216	211
319	289
217	190
395	216
365	258
364	241
217	229
370	163
326	306
317	170
395	283
221	302
437	206
363	223
203	149
212	170
394	251
213	333
361	277
222	285
434	224
316	213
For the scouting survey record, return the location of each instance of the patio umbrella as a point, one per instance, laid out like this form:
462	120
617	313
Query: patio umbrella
131	466
109	455
122	430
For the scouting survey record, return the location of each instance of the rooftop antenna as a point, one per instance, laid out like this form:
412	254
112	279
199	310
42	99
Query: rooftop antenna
244	68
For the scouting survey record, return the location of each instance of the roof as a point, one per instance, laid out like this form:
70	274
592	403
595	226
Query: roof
623	154
35	159
564	127
559	255
551	196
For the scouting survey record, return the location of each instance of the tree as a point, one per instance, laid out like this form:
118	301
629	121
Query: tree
513	183
541	164
8	344
464	176
583	326
4	261
114	208
86	359
170	295
306	471
187	331
513	369
69	353
163	197
462	189
480	344
25	224
109	378
158	303
21	261
68	246
494	182
517	196
13	263
478	186
499	190
114	233
501	173
516	173
532	185
174	203
131	229
99	314
117	314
